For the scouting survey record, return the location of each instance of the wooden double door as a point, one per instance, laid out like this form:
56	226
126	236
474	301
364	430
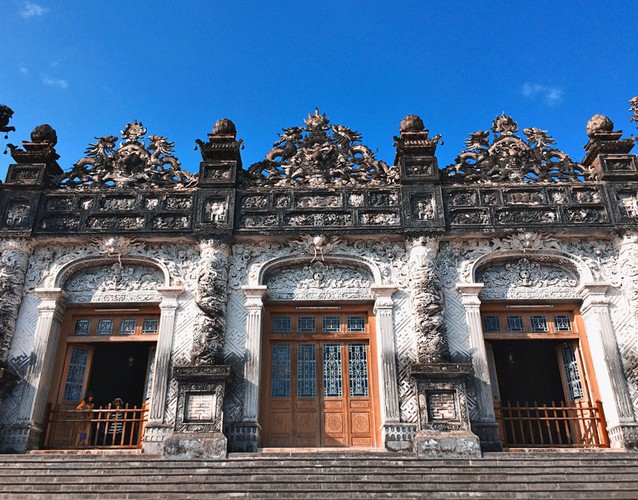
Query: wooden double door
318	385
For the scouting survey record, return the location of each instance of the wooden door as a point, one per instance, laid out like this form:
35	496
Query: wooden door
66	421
318	390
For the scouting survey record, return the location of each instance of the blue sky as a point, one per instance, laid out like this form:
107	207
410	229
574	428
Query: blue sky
88	68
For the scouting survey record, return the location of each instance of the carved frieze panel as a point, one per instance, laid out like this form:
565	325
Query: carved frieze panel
126	210
319	281
469	217
527	279
314	219
380	218
258	220
115	283
525	216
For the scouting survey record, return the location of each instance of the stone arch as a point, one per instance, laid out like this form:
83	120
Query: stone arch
567	272
75	267
322	274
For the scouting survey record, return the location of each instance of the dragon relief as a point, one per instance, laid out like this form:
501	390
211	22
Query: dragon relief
320	155
211	296
133	164
509	158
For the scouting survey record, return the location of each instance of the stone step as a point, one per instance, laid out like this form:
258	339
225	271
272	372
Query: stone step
312	475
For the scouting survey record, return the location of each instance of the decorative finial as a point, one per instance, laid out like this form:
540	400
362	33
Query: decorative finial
634	107
225	127
412	123
599	124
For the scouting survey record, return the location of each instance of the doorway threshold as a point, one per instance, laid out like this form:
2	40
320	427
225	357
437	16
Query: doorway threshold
333	450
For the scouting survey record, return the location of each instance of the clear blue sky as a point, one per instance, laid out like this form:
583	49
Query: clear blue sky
87	68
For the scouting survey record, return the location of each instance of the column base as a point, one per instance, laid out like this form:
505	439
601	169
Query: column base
489	436
399	437
195	445
244	437
451	444
623	436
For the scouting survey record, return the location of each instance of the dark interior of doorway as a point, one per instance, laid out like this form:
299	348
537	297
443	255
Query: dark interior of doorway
119	371
528	371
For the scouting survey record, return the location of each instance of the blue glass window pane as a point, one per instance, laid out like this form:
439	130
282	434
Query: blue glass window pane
105	327
491	324
358	370
332	381
572	374
83	327
150	325
538	323
280	383
307	371
75	376
356	324
331	324
562	323
281	324
515	324
127	326
306	324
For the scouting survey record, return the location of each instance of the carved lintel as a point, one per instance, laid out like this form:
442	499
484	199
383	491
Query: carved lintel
439	371
202	373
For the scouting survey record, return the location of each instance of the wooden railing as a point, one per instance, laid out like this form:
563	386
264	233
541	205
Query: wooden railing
103	427
552	426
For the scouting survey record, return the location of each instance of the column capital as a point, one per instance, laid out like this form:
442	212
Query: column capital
470	293
50	298
254	295
383	296
169	296
594	294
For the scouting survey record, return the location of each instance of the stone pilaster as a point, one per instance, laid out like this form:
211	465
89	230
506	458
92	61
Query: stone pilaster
168	308
621	422
485	424
38	379
254	307
386	358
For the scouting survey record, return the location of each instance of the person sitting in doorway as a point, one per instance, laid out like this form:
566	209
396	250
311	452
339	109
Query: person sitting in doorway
84	428
115	424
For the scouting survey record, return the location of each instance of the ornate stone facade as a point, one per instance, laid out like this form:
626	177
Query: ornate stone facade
319	223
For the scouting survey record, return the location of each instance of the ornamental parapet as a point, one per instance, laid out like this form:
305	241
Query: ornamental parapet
319	177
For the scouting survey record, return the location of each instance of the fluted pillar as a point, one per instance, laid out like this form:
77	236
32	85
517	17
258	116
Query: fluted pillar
255	308
621	422
168	308
484	422
386	354
40	373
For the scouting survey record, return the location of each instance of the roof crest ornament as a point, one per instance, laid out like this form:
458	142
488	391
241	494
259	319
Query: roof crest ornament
510	158
133	164
320	155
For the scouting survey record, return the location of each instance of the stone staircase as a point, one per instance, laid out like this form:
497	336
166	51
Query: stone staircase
332	475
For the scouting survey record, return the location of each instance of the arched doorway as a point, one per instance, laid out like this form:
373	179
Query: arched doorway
318	381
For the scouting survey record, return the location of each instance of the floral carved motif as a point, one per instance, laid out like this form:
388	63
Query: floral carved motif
115	283
318	281
320	155
133	164
525	279
427	303
509	158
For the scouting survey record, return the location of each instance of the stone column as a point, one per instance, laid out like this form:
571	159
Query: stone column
168	307
484	424
621	422
252	368
396	435
40	373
